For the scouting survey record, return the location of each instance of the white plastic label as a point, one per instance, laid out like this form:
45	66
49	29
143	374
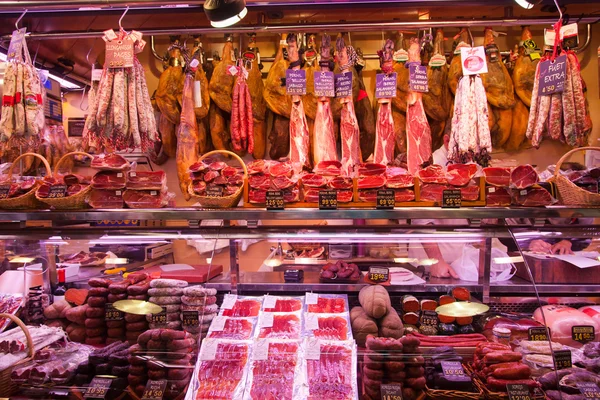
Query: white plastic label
312	321
492	190
568	31
270	302
312	298
96	74
197	94
110	34
153	193
523	192
313	349
136	35
549	37
261	350
232	70
473	60
229	301
266	321
209	350
194	63
118	193
119	175
218	323
132	174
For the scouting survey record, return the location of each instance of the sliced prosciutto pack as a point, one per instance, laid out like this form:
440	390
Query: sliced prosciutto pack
326	303
497	176
146	199
498	197
533	197
523	176
147	180
106	199
282	304
327	326
110	162
109	180
232	328
240	306
279	325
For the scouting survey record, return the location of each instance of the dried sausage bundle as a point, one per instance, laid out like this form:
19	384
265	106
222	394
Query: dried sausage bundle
242	123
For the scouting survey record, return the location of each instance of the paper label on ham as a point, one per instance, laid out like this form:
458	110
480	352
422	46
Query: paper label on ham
119	53
209	350
269	302
343	84
229	301
473	60
96	74
261	350
266	320
385	86
312	321
552	76
295	82
418	78
324	84
311	298
218	323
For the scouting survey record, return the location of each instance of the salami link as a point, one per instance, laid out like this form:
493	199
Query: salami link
242	113
555	119
569	111
250	119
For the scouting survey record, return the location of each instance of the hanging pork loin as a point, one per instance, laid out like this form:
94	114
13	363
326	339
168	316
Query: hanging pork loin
279	103
385	136
299	135
399	102
221	93
259	106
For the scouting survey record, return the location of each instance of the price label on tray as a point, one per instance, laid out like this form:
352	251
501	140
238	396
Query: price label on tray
4	191
112	314
269	301
218	323
57	191
563	359
385	86
324	84
418	78
159	318
155	390
208	351
214	191
98	388
589	390
391	391
190	319
266	320
386	199
451	198
537	334
379	274
295	82
313	349
583	333
328	200
261	350
552	76
229	301
454	371
274	200
429	318
311	298
311	321
518	392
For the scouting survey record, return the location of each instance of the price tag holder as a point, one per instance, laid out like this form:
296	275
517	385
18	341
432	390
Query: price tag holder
208	351
214	191
391	391
386	199
328	200
429	317
385	86
159	318
451	198
295	82
552	76
583	333
266	320
190	319
269	302
311	321
324	84
563	359
275	200
518	392
454	371
98	388
57	191
4	191
537	334
379	274
418	78
155	390
112	314
589	390
343	85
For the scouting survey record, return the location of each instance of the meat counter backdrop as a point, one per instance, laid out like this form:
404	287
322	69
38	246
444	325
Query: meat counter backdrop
548	153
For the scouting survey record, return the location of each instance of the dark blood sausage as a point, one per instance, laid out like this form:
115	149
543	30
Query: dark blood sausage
120	370
135	380
114	324
112	298
169	334
416	383
99	282
119	287
136	326
180	344
157	374
137	370
134	318
178	374
94	332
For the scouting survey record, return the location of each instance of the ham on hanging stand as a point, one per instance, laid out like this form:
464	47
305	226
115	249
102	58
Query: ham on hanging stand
299	135
385	136
350	135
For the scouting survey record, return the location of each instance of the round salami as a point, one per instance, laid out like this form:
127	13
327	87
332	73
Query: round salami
168	283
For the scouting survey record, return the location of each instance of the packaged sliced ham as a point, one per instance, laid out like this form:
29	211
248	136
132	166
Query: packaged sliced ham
240	306
275	370
497	176
146	198
523	177
232	328
326	303
561	319
328	326
106	199
109	180
282	304
110	162
592	311
147	180
280	325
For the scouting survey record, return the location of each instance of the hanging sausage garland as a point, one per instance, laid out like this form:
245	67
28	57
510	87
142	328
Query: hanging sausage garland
122	117
242	124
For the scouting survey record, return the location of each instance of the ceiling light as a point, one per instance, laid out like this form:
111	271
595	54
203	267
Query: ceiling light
528	4
63	82
224	13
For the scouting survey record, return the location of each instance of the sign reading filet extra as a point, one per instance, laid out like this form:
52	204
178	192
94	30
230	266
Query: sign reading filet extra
391	391
324	84
417	75
343	85
518	392
295	82
385	86
119	53
473	60
552	76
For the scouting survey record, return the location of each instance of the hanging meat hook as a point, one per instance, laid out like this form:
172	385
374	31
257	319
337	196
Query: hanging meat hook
19	19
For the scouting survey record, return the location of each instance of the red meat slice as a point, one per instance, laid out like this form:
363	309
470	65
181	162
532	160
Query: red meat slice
432	192
74	189
106	199
498	197
460	174
371	169
198	167
26	184
344	196
143	199
400	181
332	328
330	377
74	179
270	377
523	177
432	174
259	182
230	190
285	305
243	308
534	197
108	180
217	166
497	176
220	180
280	169
257	196
402	195
314	180
469	193
199	187
312	195
328	168
291	195
234	329
228	172
328	305
211	176
146	180
220	378
367	195
236	180
371	182
257	167
283	182
340	182
284	327
110	162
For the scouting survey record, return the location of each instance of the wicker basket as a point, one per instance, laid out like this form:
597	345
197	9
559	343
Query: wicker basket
74	202
437	394
569	193
224	201
488	394
6	385
28	200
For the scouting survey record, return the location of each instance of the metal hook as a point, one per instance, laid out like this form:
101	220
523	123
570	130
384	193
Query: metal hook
555	2
87	56
123	16
25	12
81	101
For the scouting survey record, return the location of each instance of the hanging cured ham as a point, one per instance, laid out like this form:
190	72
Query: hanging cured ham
418	132
385	135
187	136
299	135
349	131
399	102
364	111
324	143
221	93
455	70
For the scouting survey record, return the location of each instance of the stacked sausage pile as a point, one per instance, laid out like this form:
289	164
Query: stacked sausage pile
434	370
202	301
95	325
497	365
109	360
136	324
167	294
390	361
167	347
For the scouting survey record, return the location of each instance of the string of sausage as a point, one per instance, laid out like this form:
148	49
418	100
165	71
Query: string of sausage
242	128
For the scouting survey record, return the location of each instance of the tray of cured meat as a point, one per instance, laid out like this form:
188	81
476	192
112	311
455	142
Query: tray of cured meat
9	304
84	259
240	306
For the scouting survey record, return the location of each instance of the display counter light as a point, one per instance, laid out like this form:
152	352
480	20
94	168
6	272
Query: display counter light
528	4
224	13
21	260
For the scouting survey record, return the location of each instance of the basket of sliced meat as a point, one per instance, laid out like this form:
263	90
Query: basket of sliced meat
18	193
65	191
215	184
569	192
